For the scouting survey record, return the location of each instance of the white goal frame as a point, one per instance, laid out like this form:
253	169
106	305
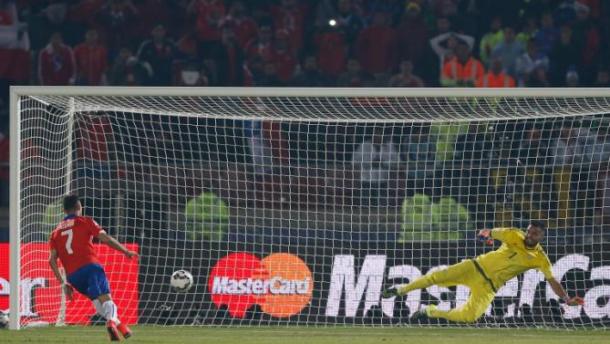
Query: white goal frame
74	91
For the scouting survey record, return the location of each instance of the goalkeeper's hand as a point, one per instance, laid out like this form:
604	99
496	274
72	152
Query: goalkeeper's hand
389	292
575	301
485	236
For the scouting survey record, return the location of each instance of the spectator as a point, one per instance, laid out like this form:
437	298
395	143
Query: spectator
262	45
566	53
192	75
394	8
15	59
152	13
332	51
56	64
53	17
588	34
13	33
254	69
290	17
508	51
603	78
309	75
528	32
269	77
376	46
530	60
444	45
547	35
406	78
376	159
230	60
244	26
187	46
284	57
159	52
91	61
538	78
565	14
128	71
117	17
354	76
462	70
491	39
496	76
412	34
209	16
572	78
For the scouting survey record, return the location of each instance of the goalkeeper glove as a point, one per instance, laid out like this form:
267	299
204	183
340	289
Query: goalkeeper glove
390	292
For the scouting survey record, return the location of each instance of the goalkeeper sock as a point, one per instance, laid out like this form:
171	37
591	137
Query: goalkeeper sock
110	312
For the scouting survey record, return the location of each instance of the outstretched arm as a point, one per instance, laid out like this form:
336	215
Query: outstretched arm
558	289
110	241
503	234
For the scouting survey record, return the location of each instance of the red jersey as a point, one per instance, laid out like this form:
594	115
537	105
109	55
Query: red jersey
72	239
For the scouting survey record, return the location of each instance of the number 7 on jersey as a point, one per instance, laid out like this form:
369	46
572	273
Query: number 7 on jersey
69	241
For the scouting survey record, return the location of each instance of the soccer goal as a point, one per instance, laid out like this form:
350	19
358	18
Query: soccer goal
299	206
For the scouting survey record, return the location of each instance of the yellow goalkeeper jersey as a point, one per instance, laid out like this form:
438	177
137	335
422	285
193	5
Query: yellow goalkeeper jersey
512	258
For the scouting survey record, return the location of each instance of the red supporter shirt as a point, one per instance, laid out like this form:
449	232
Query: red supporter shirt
285	63
73	241
91	63
332	53
376	47
209	14
245	31
56	67
291	20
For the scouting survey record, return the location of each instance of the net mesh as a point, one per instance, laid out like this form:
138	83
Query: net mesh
300	210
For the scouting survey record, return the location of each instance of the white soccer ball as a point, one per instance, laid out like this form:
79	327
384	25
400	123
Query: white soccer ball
182	281
3	320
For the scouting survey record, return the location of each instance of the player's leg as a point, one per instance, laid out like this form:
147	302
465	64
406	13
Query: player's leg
109	313
99	292
450	276
481	296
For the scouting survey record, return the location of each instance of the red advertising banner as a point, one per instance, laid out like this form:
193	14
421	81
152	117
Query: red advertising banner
41	293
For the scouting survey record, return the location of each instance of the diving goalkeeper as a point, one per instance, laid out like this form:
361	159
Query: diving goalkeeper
485	274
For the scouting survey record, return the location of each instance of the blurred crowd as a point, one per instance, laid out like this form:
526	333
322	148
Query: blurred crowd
345	43
398	43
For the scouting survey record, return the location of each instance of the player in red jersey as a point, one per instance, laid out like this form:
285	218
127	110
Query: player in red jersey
71	242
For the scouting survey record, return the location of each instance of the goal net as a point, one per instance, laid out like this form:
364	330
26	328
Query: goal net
299	206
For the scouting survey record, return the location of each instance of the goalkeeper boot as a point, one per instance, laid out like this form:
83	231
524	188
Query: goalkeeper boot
423	312
112	331
390	292
125	331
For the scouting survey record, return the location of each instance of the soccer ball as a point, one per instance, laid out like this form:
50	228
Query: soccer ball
181	281
3	320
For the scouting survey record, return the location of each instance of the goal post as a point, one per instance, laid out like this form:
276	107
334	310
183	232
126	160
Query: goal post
299	205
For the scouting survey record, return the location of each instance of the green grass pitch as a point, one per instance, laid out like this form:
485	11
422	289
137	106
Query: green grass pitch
314	335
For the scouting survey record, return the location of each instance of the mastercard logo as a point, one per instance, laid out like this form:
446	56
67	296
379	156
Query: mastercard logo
281	284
